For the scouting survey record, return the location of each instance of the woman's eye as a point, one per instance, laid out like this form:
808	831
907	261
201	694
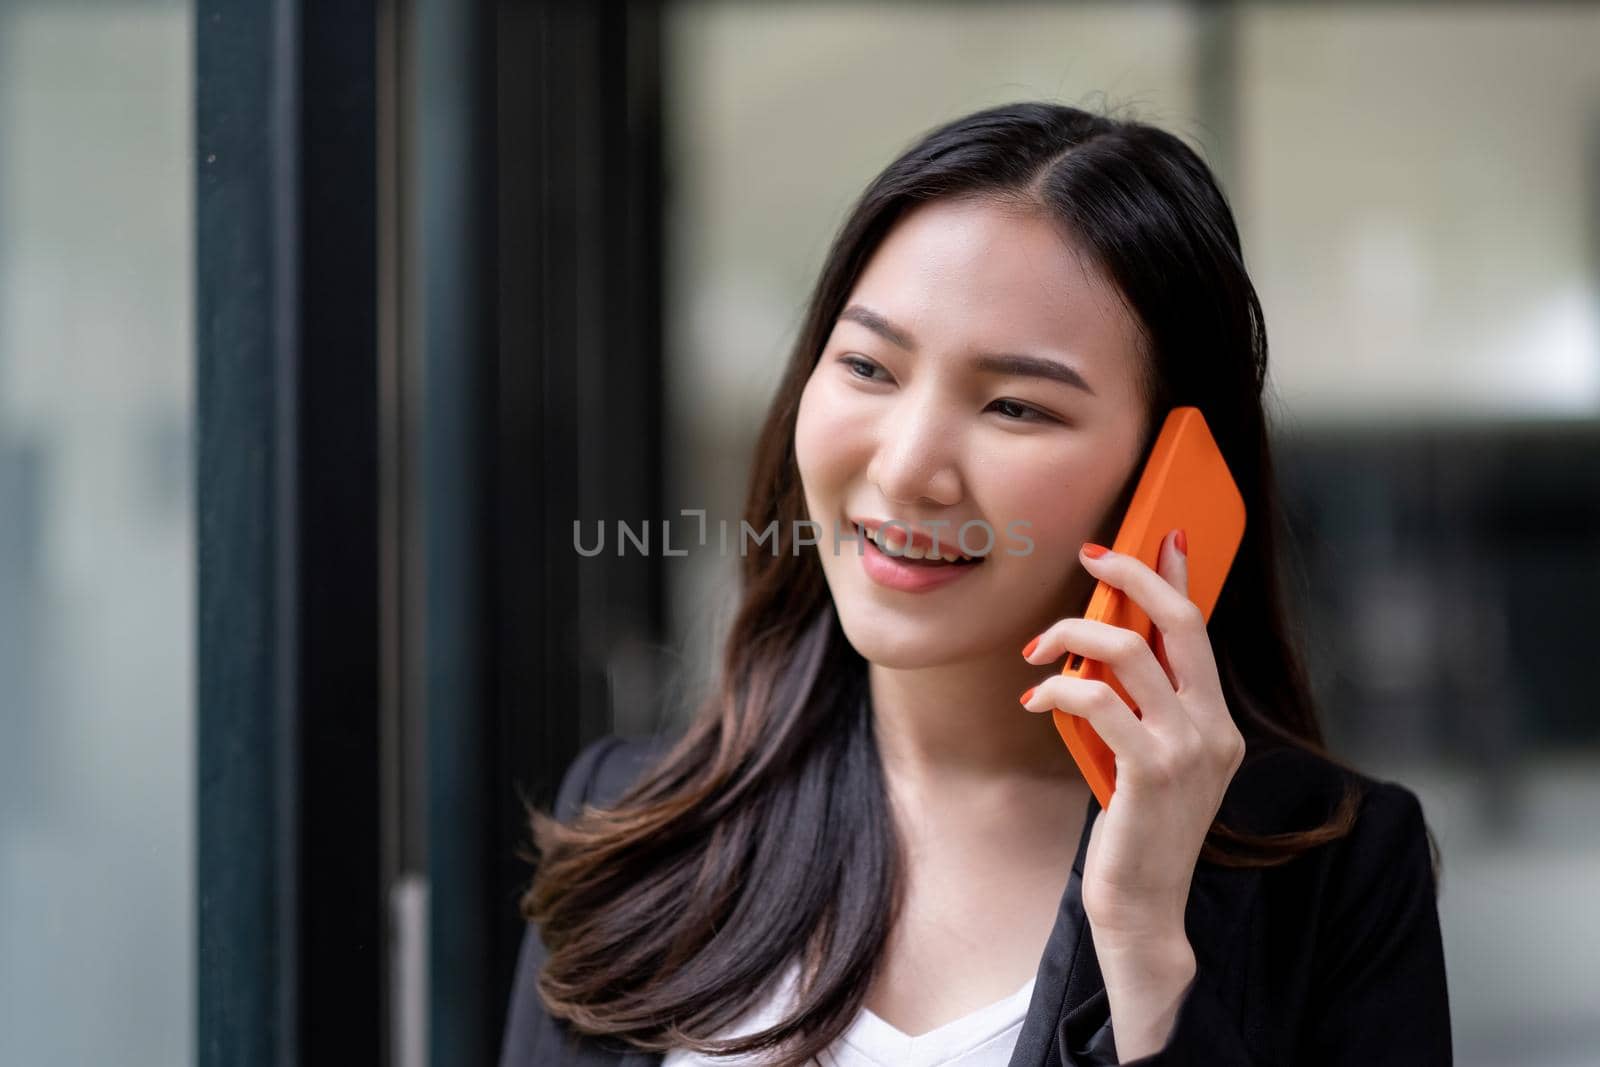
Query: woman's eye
1014	410
856	364
1017	411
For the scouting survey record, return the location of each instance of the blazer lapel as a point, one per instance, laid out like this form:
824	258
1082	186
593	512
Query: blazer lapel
1069	1015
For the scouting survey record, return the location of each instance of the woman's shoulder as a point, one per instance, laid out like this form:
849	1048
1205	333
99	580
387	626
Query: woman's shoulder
1284	788
1288	789
599	774
603	770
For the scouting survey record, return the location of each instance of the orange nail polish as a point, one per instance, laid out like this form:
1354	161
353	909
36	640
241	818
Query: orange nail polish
1182	541
1027	650
1029	693
1094	551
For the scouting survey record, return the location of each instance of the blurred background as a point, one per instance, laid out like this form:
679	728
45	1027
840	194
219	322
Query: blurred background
321	323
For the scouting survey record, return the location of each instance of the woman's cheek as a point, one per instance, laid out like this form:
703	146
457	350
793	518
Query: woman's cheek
829	431
1056	527
805	433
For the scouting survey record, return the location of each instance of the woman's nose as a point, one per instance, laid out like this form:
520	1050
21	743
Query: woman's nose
915	458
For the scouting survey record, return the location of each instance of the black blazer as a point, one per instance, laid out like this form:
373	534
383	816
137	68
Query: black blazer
1333	958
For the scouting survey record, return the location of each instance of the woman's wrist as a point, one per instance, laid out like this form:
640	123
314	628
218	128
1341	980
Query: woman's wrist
1133	962
1146	980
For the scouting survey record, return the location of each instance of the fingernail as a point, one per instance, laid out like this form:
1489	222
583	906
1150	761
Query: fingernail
1027	649
1028	694
1094	551
1182	541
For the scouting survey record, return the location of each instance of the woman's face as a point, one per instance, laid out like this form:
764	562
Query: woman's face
981	375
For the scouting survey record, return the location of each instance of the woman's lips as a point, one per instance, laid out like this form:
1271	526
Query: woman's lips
910	576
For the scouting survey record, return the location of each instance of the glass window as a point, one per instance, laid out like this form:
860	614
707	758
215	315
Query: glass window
97	559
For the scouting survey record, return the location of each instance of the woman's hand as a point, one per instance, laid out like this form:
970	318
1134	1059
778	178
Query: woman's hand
1174	762
1174	759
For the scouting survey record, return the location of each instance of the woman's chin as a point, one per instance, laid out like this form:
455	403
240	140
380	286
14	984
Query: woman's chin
895	645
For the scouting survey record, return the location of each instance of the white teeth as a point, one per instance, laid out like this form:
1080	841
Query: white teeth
912	551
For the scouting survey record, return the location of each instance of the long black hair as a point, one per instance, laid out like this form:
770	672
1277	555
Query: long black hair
764	836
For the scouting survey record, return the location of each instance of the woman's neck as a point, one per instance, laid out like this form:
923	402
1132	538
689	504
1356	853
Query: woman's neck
960	726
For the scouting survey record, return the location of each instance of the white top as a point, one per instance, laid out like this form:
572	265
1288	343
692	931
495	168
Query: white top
983	1038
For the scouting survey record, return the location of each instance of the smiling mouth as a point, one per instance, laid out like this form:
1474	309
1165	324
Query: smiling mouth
932	563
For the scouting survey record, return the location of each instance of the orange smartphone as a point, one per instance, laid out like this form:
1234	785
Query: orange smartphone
1186	484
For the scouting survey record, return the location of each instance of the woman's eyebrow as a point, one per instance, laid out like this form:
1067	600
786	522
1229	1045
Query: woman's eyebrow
1008	363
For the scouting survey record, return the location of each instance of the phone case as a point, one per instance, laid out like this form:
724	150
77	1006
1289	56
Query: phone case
1185	483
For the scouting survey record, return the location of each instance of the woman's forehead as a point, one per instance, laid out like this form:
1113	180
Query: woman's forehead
970	276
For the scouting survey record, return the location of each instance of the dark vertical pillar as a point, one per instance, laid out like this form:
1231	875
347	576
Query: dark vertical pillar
246	335
575	412
341	950
517	390
452	161
290	926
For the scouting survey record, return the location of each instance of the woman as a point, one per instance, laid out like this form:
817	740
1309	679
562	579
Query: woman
863	851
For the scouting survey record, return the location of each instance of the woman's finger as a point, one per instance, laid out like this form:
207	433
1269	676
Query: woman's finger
1173	565
1183	627
1128	656
1094	700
